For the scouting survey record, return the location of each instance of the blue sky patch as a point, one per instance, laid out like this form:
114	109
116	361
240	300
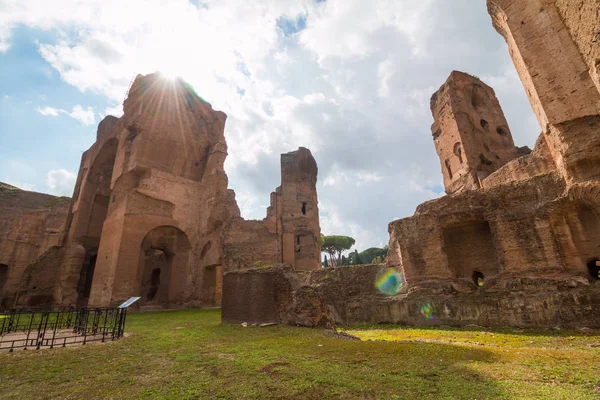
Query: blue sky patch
25	134
291	26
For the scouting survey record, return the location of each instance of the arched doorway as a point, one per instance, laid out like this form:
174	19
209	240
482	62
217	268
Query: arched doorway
594	268
576	227
164	261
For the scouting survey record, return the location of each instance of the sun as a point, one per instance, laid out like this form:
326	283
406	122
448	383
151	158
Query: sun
168	74
169	69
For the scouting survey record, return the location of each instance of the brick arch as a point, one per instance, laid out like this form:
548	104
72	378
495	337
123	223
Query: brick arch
587	193
575	224
164	260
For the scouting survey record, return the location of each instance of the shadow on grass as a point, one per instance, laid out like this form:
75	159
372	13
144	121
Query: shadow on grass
210	360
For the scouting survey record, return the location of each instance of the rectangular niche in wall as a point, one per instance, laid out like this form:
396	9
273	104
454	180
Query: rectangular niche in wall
470	249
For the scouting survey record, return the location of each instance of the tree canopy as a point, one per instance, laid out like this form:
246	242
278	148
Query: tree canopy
374	255
335	246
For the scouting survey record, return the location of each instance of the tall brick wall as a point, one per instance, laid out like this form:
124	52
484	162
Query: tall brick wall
30	223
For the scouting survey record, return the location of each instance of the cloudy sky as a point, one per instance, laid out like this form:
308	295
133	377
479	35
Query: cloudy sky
349	79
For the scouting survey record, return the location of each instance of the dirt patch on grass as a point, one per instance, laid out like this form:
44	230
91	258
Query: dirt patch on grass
271	369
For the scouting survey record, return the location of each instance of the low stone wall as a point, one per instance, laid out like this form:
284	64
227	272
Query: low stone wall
274	294
347	295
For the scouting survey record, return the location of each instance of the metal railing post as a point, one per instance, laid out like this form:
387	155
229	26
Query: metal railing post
42	332
29	330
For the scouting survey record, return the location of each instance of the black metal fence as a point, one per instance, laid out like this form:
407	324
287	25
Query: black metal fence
35	329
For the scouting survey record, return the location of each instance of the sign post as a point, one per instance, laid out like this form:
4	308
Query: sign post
124	307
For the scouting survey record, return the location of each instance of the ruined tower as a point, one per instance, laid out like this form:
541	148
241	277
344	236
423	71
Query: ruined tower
159	199
470	132
290	232
297	210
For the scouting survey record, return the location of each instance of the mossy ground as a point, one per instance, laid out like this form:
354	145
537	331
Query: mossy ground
190	355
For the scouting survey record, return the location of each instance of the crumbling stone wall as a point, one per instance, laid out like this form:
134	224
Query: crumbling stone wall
251	244
348	295
276	294
30	224
290	232
539	162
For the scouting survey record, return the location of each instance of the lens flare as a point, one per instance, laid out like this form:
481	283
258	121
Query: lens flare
427	311
389	281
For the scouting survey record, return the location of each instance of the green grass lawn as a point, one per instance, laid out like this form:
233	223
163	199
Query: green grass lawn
190	355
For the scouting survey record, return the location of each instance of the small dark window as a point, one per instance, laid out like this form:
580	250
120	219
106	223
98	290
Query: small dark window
297	239
484	160
303	208
478	279
502	131
485	125
447	162
458	152
594	268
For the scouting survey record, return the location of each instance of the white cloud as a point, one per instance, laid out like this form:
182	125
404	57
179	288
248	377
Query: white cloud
354	86
50	111
86	117
385	71
61	182
115	111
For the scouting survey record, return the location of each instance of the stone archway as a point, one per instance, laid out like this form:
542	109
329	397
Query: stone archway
164	261
576	228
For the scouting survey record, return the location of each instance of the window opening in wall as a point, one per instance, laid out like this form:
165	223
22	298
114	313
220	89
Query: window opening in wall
485	125
303	208
478	279
502	131
458	152
447	162
479	97
484	160
594	268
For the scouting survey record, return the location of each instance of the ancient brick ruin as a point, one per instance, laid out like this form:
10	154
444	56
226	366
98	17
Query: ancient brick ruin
151	214
516	242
